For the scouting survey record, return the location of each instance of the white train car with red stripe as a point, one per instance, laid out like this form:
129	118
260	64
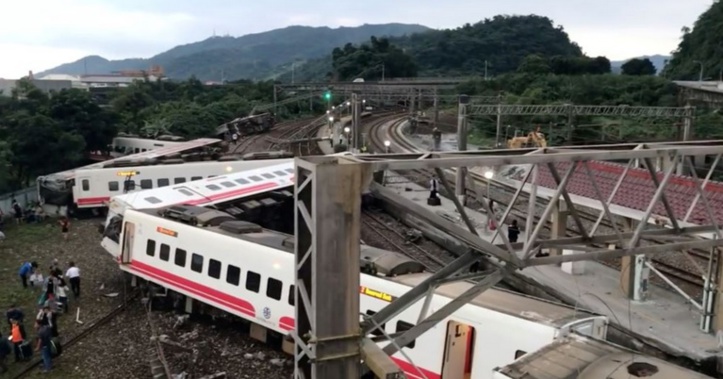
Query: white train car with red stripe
252	179
64	189
208	255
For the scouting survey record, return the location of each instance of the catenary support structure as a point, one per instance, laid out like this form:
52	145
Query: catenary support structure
328	335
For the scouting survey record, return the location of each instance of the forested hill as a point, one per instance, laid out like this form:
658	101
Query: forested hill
502	42
700	44
253	56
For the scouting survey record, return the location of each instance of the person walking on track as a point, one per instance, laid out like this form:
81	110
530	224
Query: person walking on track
73	275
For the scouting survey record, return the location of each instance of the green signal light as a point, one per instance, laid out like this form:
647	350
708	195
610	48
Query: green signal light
327	95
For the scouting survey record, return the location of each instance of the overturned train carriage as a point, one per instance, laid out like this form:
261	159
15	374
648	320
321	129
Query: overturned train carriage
245	126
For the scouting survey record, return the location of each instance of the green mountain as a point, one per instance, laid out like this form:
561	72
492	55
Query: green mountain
253	56
699	46
496	45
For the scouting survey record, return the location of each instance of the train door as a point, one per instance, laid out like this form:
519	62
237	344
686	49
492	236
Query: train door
458	351
129	233
83	188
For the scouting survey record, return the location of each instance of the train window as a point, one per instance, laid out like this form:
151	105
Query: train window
196	178
185	192
129	185
180	259
253	281
146	183
137	150
144	150
376	332
519	353
153	200
165	252
212	176
151	248
163	182
292	294
255	178
213	187
196	263
227	184
242	181
403	327
267	175
290	170
179	180
214	268
86	185
113	186
233	275
273	288
280	173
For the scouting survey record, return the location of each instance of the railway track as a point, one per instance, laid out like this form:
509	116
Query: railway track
688	273
374	223
84	333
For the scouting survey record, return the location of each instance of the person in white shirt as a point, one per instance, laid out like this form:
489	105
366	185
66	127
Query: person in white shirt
73	275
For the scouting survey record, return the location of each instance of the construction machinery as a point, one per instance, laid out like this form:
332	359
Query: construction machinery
534	139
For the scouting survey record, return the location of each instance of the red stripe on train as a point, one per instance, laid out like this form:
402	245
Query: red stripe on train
198	290
236	192
243	306
93	200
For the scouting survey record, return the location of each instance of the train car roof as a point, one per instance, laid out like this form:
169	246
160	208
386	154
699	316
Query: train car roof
514	304
150	154
576	356
227	187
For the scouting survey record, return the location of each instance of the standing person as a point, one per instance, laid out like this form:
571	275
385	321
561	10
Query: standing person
62	291
433	188
18	212
73	275
26	269
64	227
47	317
513	231
44	340
17	337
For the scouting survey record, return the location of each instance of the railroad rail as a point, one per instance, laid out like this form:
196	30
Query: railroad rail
689	272
85	332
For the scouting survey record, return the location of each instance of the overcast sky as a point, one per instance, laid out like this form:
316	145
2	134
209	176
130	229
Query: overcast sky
41	34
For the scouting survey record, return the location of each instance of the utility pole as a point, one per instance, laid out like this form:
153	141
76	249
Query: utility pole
499	121
485	69
355	126
461	145
436	109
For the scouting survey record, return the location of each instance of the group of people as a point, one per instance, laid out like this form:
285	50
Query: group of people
53	301
513	229
33	214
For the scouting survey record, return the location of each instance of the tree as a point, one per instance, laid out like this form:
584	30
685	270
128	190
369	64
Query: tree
77	113
638	67
534	64
699	46
372	61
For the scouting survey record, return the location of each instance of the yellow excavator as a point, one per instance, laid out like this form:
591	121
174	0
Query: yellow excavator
534	139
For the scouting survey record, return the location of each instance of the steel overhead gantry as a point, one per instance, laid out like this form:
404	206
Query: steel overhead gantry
570	110
327	213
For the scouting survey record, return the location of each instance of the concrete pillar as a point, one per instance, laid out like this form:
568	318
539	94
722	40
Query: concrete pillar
634	274
559	224
461	145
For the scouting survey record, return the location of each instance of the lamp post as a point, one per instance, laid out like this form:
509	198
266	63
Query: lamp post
489	174
386	146
347	130
331	129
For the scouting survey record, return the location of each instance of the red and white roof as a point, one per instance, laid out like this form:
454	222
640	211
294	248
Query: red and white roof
210	190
